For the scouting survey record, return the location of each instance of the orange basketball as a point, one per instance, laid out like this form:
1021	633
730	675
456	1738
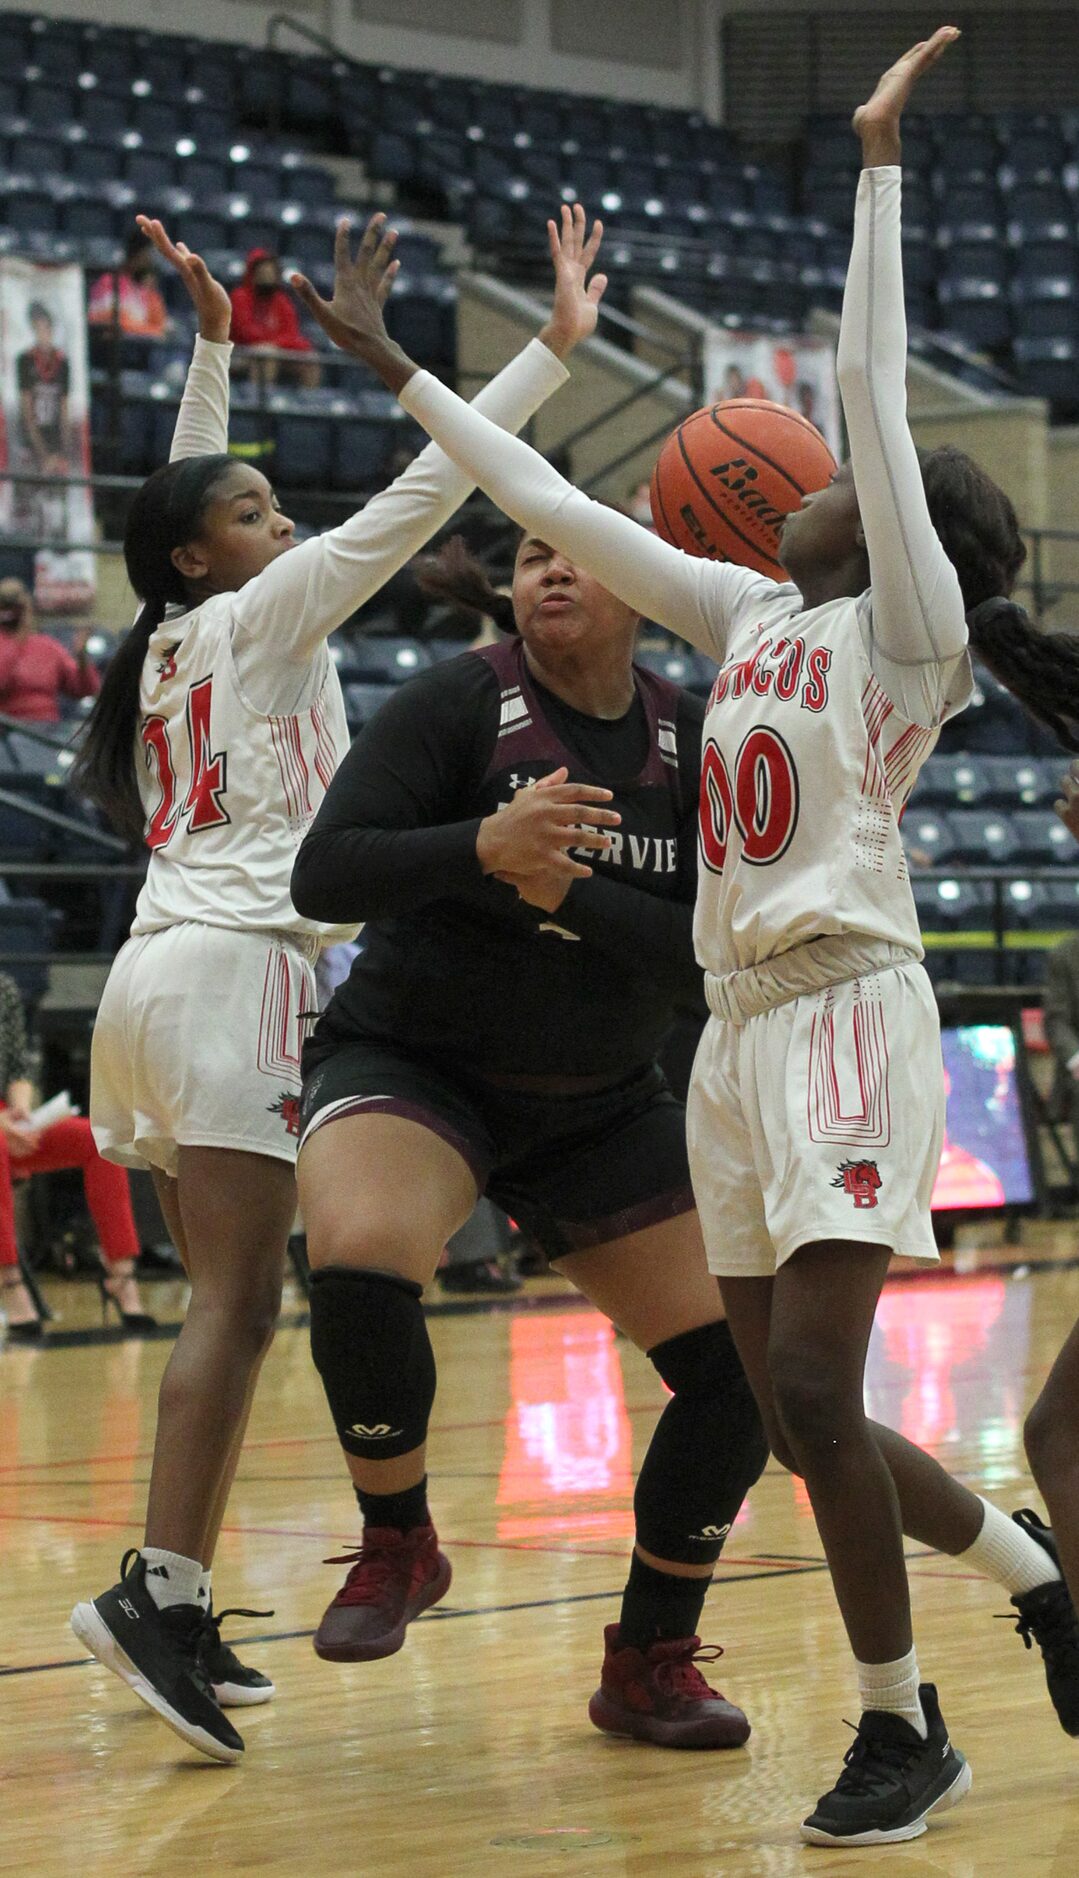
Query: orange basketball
727	477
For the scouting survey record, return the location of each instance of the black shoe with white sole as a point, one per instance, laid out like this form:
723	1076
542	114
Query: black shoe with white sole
1048	1615
160	1655
893	1783
235	1684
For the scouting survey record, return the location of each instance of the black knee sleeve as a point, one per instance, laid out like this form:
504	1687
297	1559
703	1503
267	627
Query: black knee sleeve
370	1346
708	1449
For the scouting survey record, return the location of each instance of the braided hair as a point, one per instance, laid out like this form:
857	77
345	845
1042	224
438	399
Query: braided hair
979	533
165	514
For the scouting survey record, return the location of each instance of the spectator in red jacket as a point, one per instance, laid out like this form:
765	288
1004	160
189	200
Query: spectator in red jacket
36	671
264	318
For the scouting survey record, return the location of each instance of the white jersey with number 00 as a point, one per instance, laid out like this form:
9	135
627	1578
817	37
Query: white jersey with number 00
821	718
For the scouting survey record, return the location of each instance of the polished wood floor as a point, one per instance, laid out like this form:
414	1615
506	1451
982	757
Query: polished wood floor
471	1751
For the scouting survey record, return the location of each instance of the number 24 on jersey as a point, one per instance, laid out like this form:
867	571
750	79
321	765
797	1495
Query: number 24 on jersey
202	806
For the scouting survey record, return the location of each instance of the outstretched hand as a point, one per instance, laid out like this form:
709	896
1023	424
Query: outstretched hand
877	121
575	307
353	317
208	296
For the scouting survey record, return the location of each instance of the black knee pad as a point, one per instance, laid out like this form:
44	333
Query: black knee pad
708	1450
370	1346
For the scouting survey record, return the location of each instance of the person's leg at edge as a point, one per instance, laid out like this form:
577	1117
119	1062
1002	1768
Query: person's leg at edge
707	1450
708	1447
1051	1435
939	1512
369	1342
168	1200
18	1305
230	1214
70	1143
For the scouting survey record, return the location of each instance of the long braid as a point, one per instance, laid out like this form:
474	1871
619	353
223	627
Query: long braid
455	576
1040	669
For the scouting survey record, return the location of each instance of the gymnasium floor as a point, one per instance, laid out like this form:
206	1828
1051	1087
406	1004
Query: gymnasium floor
471	1751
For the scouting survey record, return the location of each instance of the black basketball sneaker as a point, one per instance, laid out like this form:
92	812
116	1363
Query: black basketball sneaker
1048	1615
160	1655
235	1684
893	1783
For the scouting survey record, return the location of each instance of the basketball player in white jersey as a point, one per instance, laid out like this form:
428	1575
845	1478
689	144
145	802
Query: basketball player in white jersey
217	731
816	1112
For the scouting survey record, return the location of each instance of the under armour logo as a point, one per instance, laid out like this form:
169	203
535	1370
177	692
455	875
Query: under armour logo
378	1432
129	1609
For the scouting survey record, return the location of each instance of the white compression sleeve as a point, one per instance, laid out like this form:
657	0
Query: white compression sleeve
202	424
695	598
283	617
917	633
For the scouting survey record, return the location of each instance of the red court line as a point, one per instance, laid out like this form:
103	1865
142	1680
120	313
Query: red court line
334	1538
280	1441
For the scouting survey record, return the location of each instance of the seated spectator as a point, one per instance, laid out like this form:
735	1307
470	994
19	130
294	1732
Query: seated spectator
36	671
26	1150
129	296
264	318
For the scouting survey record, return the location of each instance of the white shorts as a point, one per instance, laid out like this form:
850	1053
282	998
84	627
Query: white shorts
821	1118
197	1044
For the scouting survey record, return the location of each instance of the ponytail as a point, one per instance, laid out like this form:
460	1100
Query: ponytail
454	575
164	515
1040	669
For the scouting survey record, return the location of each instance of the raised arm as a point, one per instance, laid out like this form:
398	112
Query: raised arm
391	837
918	628
202	425
693	597
292	607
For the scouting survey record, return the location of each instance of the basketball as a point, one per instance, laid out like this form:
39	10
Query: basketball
729	474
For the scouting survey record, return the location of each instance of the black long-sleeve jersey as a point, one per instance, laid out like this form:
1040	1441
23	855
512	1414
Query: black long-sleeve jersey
451	961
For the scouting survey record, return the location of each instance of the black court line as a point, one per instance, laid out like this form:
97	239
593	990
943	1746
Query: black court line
500	1307
88	1336
443	1617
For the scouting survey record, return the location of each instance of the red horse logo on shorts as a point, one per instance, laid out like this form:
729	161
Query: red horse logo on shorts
860	1179
288	1107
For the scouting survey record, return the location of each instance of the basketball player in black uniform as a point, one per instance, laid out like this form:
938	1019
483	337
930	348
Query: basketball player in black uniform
498	1033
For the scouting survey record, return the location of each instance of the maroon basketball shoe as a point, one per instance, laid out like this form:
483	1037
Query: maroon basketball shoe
659	1695
394	1576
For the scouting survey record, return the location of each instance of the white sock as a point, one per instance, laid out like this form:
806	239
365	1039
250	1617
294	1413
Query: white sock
1005	1552
206	1595
893	1687
170	1577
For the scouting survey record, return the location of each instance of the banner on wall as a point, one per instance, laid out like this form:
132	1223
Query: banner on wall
795	371
44	426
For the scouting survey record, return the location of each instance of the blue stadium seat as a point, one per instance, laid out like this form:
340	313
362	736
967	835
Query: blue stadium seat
1043	839
304	446
92	162
976	308
1046	306
1062	903
954	905
26	927
1049	368
983	835
363	700
32	210
361	450
1020	782
150	170
928	837
387	661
